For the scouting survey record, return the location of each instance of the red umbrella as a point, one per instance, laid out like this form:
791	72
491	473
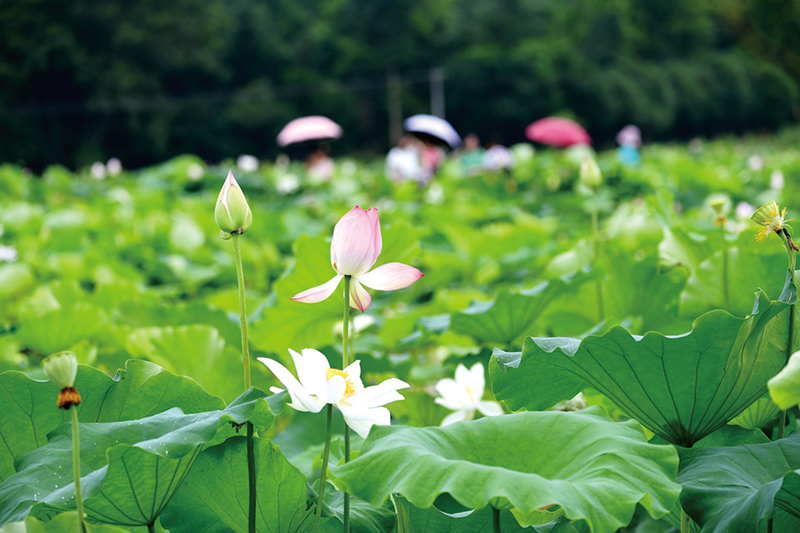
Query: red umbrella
311	128
557	131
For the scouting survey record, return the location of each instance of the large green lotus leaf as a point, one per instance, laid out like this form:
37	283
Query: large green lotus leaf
63	523
141	314
734	488
758	414
60	329
214	495
124	463
682	248
364	518
681	388
747	271
15	278
509	317
197	350
411	519
597	470
142	389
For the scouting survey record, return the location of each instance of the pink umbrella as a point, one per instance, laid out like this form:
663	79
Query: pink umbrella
313	128
557	131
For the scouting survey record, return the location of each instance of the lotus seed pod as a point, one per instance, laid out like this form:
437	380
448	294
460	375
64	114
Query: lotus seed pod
232	211
718	205
590	173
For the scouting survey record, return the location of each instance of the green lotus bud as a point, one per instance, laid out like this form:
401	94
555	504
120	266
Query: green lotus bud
590	173
785	386
232	212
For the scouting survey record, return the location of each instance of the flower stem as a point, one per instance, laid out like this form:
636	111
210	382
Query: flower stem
251	458
323	476
496	520
725	292
686	522
596	239
76	466
789	342
345	363
151	528
237	255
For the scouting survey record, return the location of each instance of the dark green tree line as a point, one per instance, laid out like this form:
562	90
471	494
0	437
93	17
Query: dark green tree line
82	80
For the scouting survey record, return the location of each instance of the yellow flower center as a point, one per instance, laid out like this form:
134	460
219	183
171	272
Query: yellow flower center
351	387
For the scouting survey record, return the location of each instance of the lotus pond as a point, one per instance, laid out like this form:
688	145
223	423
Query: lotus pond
577	355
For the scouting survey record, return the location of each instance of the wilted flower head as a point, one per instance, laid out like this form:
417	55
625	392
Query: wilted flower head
61	368
355	248
463	395
319	385
232	212
771	219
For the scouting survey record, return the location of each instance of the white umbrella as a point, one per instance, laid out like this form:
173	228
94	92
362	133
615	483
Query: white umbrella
435	127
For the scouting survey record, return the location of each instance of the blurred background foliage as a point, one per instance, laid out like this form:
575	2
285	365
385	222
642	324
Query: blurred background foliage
83	80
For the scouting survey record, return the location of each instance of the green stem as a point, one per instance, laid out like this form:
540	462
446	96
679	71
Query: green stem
237	255
496	520
76	466
151	528
725	270
251	473
789	342
323	476
596	238
251	458
345	364
686	522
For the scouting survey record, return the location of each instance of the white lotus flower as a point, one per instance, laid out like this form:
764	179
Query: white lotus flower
319	385
248	163
463	395
114	166
98	170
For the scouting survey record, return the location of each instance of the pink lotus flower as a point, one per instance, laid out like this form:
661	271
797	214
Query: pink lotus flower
355	248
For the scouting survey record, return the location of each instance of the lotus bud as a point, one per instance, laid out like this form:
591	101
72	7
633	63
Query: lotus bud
61	368
232	212
590	173
785	386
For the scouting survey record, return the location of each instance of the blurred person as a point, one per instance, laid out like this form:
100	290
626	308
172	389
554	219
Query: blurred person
498	157
403	161
629	139
432	157
319	166
471	156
